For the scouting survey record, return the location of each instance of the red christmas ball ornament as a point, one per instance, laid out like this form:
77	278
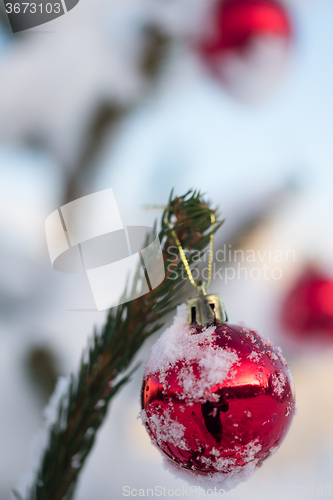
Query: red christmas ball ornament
246	44
217	399
307	312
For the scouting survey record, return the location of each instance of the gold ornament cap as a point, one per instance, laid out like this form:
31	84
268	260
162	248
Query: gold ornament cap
204	309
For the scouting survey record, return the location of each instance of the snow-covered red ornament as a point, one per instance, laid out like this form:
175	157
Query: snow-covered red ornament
246	44
217	399
307	312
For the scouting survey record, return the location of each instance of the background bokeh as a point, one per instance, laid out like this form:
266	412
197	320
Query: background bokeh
114	94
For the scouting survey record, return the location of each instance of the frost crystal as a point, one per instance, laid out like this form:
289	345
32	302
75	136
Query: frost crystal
290	409
254	356
278	383
168	430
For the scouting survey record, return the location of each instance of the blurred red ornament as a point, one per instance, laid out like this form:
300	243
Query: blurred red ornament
246	44
308	309
222	404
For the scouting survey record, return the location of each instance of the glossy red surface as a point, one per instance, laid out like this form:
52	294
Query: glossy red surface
250	419
234	22
308	309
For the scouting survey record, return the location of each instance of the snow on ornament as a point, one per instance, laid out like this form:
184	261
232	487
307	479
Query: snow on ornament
217	399
246	44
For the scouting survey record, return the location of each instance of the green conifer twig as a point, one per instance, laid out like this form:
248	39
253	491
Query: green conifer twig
103	368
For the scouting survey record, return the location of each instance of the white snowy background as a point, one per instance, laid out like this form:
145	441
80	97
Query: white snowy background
185	132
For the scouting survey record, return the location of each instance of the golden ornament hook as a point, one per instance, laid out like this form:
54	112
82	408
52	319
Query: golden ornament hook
203	309
186	264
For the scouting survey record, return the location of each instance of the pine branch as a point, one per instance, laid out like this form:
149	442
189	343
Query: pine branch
103	368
